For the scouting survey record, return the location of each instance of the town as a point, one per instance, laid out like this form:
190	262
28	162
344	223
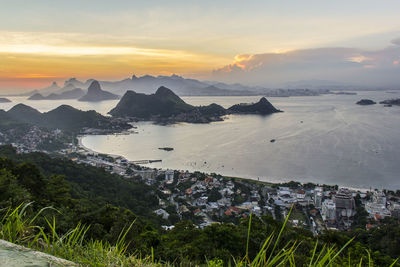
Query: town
210	198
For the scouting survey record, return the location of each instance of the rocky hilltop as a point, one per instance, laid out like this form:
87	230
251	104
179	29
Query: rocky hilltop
96	94
262	107
166	106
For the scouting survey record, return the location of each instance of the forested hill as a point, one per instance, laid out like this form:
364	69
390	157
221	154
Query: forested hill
64	117
81	193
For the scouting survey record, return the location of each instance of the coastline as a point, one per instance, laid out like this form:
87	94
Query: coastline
249	180
83	147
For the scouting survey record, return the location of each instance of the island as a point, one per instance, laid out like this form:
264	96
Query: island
365	102
164	106
262	107
4	100
390	102
96	94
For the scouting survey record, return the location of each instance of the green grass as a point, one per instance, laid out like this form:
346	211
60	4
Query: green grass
18	227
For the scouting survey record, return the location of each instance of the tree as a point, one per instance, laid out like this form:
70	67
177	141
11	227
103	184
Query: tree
11	193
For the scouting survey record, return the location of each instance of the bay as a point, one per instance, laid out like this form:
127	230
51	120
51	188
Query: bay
324	139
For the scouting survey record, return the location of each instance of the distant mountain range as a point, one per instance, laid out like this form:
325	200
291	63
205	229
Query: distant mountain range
181	86
72	94
166	106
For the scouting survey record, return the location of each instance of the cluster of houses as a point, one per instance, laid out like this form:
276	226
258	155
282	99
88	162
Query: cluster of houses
31	140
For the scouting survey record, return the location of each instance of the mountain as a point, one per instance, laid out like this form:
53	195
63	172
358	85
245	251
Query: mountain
72	94
7	121
44	91
26	114
67	117
166	106
181	86
95	94
163	103
64	117
37	96
75	83
262	107
52	88
4	100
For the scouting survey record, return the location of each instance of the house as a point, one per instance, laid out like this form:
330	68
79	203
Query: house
169	175
300	194
162	212
189	191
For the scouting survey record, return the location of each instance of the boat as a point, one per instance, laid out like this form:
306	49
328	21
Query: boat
166	148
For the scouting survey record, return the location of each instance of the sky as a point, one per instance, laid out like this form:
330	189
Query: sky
255	42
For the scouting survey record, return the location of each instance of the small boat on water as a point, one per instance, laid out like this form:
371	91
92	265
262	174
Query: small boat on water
166	148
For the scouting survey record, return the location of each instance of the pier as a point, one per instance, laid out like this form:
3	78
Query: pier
145	161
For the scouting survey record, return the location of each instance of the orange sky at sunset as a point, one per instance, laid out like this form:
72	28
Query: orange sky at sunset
265	43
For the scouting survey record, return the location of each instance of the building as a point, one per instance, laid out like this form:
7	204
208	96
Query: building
146	174
318	196
379	198
345	207
328	211
169	175
374	209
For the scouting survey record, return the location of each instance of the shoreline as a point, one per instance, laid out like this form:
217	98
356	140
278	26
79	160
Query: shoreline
83	147
363	190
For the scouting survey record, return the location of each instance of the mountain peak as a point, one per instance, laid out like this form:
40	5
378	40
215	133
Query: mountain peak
95	93
94	86
162	91
263	100
23	107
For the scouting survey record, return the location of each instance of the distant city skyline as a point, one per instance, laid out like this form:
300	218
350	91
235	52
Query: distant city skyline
264	43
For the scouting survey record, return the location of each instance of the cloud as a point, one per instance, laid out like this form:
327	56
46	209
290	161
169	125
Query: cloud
339	64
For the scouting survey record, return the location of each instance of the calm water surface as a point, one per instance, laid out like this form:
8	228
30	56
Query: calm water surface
324	139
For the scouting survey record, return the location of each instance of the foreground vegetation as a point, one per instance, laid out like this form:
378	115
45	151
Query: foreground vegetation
18	227
92	217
